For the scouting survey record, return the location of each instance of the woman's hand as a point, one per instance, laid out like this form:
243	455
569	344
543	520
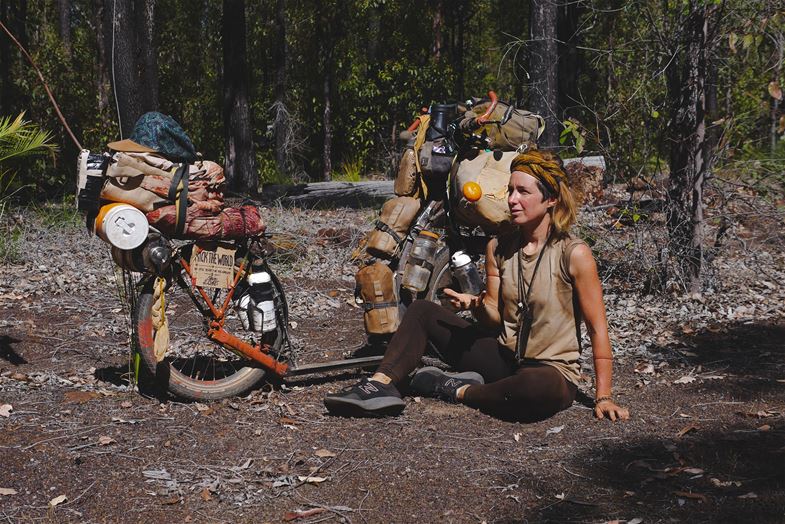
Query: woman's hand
463	301
608	408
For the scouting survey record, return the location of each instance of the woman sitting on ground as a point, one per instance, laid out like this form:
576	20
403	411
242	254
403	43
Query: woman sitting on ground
540	283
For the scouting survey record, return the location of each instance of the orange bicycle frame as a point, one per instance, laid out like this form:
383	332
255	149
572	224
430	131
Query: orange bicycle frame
259	353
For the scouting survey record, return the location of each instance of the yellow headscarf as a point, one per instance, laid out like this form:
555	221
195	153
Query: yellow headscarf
545	167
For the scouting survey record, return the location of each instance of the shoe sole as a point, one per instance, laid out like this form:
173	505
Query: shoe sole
377	407
465	375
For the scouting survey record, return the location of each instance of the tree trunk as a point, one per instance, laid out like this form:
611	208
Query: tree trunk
147	52
691	150
463	19
125	75
239	168
327	162
14	16
6	86
280	123
779	39
437	27
328	21
102	24
543	63
569	60
64	24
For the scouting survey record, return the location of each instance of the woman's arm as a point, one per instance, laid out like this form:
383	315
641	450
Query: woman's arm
485	306
586	280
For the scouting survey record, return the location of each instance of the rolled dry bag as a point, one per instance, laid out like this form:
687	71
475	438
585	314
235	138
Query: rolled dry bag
393	224
376	288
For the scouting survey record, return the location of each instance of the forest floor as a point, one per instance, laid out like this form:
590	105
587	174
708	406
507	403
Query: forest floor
703	377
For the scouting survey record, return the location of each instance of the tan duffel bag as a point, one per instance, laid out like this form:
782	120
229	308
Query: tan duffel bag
522	129
491	211
376	288
393	224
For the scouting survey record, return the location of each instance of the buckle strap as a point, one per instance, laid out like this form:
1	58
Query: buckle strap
368	306
390	231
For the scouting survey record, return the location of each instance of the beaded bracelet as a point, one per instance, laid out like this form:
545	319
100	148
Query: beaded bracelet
602	399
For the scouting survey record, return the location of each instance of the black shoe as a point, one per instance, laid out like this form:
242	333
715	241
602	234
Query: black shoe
366	399
433	382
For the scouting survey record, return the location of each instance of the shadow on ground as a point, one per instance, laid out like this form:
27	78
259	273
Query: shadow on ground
753	354
7	351
733	475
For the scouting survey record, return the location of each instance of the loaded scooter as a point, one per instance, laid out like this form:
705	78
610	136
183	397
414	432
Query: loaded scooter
451	200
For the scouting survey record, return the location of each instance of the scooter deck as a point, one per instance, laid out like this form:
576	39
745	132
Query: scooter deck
307	369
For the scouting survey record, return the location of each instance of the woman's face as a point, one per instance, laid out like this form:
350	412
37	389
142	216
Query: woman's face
525	199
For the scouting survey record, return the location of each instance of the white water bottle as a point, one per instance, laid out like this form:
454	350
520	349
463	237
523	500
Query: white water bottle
466	273
261	313
242	307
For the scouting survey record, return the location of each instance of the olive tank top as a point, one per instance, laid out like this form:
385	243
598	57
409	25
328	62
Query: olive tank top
554	337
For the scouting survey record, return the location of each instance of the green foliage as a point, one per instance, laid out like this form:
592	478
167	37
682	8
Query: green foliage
57	214
572	129
10	241
351	171
19	139
382	69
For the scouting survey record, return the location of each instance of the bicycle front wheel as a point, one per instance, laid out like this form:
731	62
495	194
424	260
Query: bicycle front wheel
189	364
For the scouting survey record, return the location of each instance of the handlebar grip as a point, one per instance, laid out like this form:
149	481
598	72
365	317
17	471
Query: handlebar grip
483	118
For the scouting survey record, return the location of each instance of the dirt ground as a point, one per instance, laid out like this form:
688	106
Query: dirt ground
704	378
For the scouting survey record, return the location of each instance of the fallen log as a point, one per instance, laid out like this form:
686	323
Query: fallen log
359	194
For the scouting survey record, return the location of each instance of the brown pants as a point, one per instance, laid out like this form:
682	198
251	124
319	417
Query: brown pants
524	393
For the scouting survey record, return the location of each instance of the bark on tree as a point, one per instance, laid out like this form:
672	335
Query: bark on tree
240	165
328	31
144	11
129	37
6	86
779	48
543	63
125	70
64	24
692	150
103	82
569	64
437	26
327	163
14	16
279	109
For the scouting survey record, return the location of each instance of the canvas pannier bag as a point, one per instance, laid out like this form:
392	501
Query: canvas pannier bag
491	211
393	224
376	288
523	127
406	183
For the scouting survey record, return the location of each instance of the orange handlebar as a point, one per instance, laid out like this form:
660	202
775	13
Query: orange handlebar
483	118
414	125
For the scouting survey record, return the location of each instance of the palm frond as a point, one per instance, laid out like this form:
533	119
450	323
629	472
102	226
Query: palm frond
20	138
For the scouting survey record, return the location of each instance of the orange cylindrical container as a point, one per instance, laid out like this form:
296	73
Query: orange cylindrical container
122	225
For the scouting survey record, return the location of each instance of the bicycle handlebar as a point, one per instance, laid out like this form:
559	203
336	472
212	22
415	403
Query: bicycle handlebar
414	125
483	118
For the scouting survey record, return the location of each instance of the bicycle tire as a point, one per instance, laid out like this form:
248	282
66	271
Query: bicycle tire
441	276
216	372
